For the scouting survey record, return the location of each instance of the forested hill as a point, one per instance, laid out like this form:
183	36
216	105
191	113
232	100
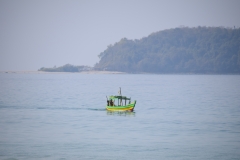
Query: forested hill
179	50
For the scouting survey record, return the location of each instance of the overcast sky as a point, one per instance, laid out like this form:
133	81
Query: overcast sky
45	33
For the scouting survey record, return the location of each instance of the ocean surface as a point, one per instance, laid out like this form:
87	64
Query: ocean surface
63	116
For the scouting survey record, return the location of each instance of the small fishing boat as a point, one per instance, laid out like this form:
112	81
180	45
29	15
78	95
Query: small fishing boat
120	103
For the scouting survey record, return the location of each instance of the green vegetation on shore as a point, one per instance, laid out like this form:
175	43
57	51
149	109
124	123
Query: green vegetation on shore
179	50
66	68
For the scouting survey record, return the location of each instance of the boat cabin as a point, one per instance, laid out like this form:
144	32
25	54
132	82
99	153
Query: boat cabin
118	101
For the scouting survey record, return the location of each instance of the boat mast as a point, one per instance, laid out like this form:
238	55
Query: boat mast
120	93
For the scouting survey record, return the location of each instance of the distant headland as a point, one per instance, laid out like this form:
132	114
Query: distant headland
198	50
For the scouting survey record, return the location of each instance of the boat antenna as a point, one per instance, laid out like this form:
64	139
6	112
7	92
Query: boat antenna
120	91
107	97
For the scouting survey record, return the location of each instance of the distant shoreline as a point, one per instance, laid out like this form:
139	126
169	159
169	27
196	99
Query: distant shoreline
83	72
110	72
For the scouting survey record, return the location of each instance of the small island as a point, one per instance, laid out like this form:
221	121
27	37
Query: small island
67	68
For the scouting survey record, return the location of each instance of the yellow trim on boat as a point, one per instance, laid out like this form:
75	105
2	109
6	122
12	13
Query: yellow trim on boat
120	109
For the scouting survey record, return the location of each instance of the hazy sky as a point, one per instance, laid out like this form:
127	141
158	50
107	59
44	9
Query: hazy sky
44	33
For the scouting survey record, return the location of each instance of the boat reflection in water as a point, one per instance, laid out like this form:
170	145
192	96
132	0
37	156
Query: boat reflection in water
121	113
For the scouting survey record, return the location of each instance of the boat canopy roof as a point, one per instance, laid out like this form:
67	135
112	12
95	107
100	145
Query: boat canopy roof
119	97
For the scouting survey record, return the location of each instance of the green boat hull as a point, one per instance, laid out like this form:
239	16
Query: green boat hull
129	107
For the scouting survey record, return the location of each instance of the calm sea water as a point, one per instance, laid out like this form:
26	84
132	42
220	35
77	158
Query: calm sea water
63	116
